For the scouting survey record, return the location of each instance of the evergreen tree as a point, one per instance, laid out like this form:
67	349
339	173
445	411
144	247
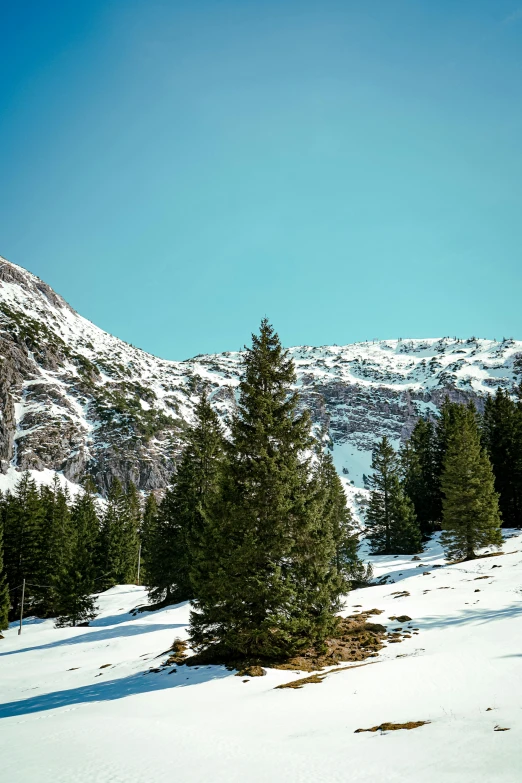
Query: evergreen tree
149	541
76	581
180	518
22	529
451	416
339	518
470	508
502	435
420	477
118	542
55	542
263	578
5	601
390	518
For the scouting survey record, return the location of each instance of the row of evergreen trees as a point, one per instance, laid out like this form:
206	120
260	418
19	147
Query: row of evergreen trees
461	473
64	550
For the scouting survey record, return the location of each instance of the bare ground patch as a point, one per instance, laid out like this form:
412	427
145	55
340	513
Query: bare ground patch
412	724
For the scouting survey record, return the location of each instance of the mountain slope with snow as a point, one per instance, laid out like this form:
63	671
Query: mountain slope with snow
75	399
83	705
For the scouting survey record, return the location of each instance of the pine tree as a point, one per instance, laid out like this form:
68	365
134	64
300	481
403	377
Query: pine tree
76	580
470	508
502	435
118	542
264	580
132	527
5	601
390	518
338	516
420	477
55	542
22	529
180	517
451	415
149	541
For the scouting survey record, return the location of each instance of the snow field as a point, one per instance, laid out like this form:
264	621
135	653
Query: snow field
120	725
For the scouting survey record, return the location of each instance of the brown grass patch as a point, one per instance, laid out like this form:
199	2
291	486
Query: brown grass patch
179	650
412	724
251	671
320	676
355	639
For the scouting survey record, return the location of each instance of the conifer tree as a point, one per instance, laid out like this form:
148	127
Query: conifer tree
451	415
118	542
55	543
22	528
76	579
470	507
149	540
390	518
420	478
264	582
180	518
5	601
338	516
502	435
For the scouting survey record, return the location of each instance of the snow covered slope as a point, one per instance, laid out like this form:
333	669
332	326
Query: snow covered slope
75	399
78	706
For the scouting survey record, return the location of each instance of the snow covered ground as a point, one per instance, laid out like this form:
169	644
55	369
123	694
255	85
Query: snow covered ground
66	719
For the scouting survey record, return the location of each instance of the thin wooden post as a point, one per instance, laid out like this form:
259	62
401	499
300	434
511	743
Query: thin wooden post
139	563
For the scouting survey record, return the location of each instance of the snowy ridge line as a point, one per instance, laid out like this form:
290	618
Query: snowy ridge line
110	408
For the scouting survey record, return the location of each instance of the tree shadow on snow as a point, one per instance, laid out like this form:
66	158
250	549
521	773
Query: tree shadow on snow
130	616
469	616
99	636
142	682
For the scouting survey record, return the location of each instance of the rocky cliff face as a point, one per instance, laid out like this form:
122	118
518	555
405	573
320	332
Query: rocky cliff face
77	400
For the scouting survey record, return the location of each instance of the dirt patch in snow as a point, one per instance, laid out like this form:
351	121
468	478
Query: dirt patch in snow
320	676
412	724
356	640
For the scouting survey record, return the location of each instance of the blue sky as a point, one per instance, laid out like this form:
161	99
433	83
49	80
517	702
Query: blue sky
353	170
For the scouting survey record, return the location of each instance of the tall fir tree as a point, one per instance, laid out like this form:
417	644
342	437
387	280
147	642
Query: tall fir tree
77	578
338	516
22	531
451	416
55	544
471	517
264	580
391	526
149	540
5	601
180	518
502	436
118	541
420	476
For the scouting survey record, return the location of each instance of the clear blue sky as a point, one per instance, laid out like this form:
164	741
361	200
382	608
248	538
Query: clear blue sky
353	170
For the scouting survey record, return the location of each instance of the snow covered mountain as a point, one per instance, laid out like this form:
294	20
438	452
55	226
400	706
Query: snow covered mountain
75	399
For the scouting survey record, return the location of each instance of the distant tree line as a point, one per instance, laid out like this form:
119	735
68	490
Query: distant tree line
460	473
65	549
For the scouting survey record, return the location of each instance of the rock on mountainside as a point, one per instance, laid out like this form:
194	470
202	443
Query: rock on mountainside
77	400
